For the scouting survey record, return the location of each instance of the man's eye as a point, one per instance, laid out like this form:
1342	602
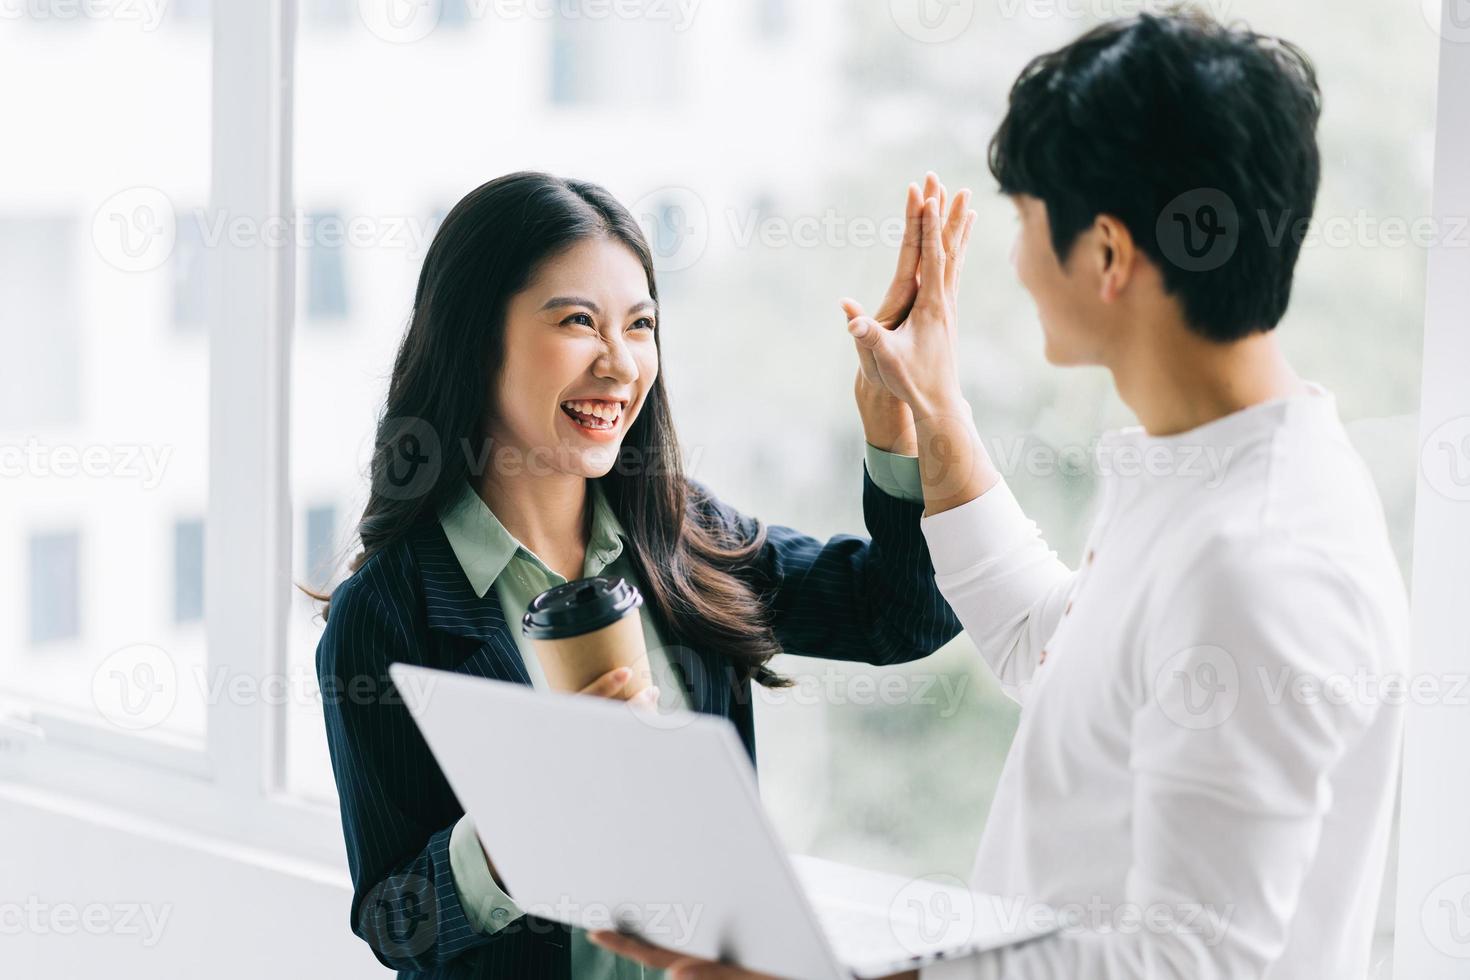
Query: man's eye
581	319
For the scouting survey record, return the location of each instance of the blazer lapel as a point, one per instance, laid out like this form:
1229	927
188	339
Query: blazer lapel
452	607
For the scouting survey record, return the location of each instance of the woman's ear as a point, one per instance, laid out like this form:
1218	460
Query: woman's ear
1116	254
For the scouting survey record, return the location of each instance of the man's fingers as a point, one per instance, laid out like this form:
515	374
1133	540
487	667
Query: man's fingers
868	363
958	253
931	266
954	221
714	971
679	966
869	333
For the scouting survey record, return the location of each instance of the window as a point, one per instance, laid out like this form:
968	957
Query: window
188	571
55	586
321	529
570	82
41	373
104	414
326	285
601	57
772	18
331	14
456	13
188	274
190	12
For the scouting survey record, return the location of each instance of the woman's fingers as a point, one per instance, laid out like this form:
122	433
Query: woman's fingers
610	684
908	253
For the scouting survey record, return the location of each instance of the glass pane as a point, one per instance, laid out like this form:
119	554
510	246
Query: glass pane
766	147
103	386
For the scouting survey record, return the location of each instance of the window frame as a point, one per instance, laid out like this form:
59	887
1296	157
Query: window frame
229	784
1434	806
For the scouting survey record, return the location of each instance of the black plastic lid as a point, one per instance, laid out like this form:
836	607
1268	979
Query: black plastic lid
578	607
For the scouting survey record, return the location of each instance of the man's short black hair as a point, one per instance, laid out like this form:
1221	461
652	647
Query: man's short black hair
1200	138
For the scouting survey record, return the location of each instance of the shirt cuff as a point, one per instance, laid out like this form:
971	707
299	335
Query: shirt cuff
895	475
964	536
486	904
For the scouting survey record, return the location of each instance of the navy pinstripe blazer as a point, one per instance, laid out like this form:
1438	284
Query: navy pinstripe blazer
850	598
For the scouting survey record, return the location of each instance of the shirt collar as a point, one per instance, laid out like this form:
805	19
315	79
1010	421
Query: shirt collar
484	547
1206	450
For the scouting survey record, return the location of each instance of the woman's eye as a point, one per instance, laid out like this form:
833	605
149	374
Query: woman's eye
643	323
581	319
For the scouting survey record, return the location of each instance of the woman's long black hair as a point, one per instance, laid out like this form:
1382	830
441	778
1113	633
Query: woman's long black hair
431	435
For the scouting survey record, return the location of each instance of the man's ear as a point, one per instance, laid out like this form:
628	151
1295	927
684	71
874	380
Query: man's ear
1116	255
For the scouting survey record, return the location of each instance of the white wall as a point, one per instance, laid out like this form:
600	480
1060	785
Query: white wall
217	910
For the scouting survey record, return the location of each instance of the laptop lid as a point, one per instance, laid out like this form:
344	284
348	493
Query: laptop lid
600	815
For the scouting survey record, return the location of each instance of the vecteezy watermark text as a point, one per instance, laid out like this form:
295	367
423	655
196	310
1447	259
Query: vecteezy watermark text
40	918
139	462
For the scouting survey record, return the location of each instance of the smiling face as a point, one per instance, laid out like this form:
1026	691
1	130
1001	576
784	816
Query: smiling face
581	355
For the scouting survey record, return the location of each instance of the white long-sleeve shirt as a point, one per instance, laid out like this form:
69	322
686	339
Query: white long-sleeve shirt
1205	765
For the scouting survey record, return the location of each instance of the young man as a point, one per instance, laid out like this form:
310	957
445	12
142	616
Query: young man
1203	769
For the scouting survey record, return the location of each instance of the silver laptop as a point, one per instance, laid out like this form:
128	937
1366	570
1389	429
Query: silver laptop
605	816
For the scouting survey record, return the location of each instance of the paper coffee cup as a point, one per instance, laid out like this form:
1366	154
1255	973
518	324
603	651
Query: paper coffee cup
585	628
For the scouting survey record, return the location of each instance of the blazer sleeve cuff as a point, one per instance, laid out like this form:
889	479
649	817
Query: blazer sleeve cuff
895	475
486	905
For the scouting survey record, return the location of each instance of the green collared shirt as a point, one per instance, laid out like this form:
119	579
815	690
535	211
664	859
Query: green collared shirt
491	557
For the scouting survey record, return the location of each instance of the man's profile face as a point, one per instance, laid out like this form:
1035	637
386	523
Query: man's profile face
1073	318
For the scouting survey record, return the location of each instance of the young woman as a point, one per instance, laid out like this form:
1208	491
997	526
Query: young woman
526	441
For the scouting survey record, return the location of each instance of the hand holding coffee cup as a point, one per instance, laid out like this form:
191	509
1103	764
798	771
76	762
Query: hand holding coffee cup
588	638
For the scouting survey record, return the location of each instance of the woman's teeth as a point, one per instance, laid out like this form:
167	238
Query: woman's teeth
593	415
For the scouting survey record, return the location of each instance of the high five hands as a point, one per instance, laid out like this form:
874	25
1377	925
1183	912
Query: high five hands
909	346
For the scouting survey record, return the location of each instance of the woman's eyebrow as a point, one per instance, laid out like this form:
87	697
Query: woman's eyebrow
559	301
556	302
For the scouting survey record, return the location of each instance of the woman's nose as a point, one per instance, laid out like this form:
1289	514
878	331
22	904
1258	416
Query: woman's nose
616	363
